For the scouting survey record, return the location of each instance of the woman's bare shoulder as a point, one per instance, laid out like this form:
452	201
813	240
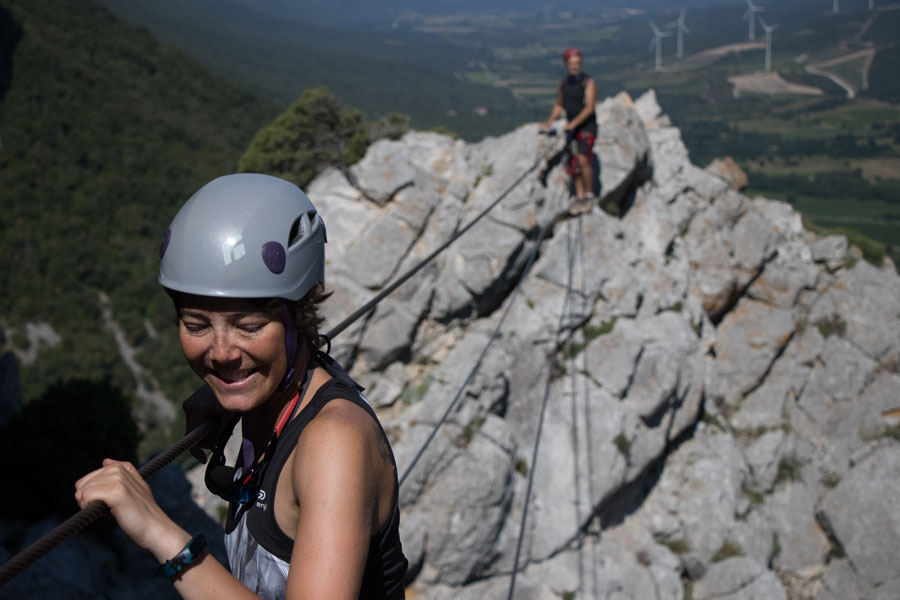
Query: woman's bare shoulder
343	428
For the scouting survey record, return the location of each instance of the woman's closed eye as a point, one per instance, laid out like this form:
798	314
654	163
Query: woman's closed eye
252	326
193	327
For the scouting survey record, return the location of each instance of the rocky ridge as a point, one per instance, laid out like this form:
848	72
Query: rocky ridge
722	412
721	416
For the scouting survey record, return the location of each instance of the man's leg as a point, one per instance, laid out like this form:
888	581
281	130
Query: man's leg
585	166
584	185
579	181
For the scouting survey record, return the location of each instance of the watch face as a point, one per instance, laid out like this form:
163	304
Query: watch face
191	552
195	548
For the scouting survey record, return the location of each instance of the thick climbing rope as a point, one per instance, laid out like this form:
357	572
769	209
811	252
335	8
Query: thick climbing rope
496	332
95	510
552	369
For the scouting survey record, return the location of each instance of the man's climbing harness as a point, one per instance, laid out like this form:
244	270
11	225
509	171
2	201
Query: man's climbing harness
567	156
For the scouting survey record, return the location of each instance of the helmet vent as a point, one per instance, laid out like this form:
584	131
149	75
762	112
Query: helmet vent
301	227
295	231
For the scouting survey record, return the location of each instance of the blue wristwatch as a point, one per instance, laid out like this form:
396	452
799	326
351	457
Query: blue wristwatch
191	554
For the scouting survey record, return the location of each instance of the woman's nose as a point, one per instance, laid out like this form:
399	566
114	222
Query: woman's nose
224	349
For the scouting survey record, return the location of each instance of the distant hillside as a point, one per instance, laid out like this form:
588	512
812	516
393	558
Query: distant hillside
379	72
440	61
104	133
366	14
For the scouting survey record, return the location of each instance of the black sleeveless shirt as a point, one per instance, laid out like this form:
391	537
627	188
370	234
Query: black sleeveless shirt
386	565
572	88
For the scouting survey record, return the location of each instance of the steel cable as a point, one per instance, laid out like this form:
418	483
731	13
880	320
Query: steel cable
368	306
509	303
577	243
552	363
589	443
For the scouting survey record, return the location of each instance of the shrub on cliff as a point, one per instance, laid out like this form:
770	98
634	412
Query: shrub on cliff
313	133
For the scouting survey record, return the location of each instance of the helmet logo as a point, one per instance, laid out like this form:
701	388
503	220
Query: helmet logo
232	249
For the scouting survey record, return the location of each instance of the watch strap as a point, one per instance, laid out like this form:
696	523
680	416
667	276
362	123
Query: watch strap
191	553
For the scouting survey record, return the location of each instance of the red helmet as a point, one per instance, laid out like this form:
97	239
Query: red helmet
570	52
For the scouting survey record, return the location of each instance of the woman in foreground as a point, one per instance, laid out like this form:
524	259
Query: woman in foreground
313	494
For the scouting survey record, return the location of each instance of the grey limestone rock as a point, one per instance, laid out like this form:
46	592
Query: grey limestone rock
728	170
792	514
383	171
461	530
831	250
611	358
887	590
738	578
747	341
863	304
621	147
763	457
842	582
861	515
782	280
668	154
764	408
344	212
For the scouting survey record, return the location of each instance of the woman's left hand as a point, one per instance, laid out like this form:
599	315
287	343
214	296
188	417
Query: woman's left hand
119	485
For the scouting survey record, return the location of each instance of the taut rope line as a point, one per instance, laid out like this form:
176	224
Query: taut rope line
368	306
552	364
509	302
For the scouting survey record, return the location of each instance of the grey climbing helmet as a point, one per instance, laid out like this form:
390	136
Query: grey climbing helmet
245	236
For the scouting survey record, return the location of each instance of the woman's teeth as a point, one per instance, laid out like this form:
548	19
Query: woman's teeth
234	376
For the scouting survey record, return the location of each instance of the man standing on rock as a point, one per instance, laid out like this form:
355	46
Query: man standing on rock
577	94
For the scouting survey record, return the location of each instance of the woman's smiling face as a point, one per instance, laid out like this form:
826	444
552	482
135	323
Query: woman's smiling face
236	347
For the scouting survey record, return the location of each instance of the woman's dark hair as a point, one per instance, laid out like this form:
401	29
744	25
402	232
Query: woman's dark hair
305	312
307	316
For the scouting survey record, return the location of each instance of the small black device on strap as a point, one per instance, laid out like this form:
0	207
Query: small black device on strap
191	553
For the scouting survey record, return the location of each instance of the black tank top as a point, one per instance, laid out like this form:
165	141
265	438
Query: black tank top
573	99
386	565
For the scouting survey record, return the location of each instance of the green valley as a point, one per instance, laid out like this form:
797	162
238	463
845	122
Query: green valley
483	71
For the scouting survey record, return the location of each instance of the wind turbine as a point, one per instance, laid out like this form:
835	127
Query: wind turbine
682	29
657	36
768	29
871	5
750	15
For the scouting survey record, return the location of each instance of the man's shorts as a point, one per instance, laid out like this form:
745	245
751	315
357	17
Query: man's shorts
584	140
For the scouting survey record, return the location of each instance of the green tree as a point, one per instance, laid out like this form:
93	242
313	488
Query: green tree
313	133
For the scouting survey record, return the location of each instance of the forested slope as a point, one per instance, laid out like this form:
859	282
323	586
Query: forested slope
380	72
104	133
